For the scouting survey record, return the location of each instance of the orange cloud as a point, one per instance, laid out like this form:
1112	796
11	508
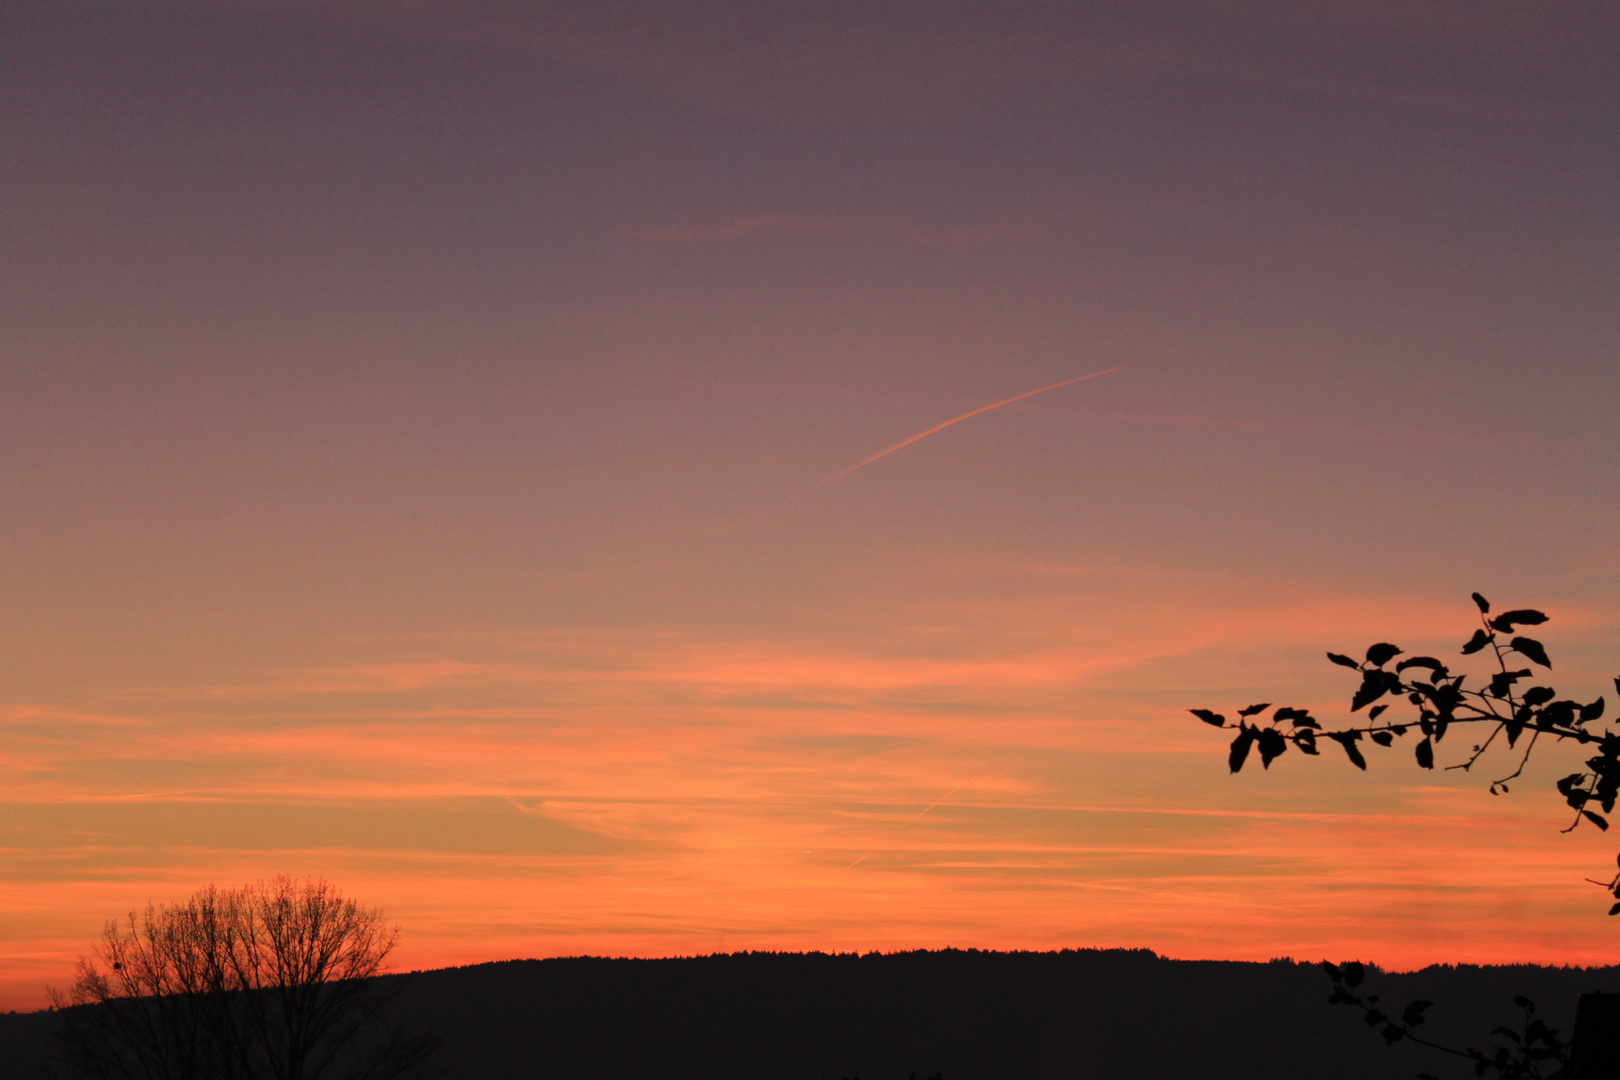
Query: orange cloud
649	793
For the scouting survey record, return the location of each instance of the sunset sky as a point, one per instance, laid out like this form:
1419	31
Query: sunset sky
411	413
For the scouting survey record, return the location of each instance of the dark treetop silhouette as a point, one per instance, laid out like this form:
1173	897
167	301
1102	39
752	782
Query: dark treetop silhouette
1442	701
272	981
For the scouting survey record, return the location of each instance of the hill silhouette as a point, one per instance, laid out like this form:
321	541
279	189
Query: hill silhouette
967	1015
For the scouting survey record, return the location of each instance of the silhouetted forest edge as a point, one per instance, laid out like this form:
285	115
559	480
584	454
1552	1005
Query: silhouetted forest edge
963	1013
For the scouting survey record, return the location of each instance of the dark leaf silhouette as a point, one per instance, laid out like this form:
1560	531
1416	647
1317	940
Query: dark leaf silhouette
1502	682
1592	712
1531	648
1476	643
1254	709
1344	661
1538	695
1209	717
1382	653
1382	738
1483	604
1240	749
1371	689
1348	740
1271	744
1558	714
1413	1016
1596	819
1506	621
1425	754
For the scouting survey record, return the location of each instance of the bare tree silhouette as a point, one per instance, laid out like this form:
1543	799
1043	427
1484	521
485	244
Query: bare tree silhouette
275	980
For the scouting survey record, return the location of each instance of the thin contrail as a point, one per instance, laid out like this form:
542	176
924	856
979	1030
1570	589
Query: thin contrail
945	796
958	420
933	804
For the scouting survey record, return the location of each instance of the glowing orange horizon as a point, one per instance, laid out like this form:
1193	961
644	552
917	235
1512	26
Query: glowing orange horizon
640	794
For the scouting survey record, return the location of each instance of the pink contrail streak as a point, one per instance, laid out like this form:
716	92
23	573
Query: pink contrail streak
959	419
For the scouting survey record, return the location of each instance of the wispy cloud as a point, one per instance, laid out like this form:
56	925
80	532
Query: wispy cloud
681	792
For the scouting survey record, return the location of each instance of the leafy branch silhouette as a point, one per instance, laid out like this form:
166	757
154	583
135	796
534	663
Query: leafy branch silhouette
1507	713
1443	701
1525	1054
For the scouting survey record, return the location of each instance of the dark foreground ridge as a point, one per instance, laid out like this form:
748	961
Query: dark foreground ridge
967	1015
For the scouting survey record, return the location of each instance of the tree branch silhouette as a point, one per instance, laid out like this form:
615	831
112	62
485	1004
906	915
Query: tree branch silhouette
1532	1052
1442	700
